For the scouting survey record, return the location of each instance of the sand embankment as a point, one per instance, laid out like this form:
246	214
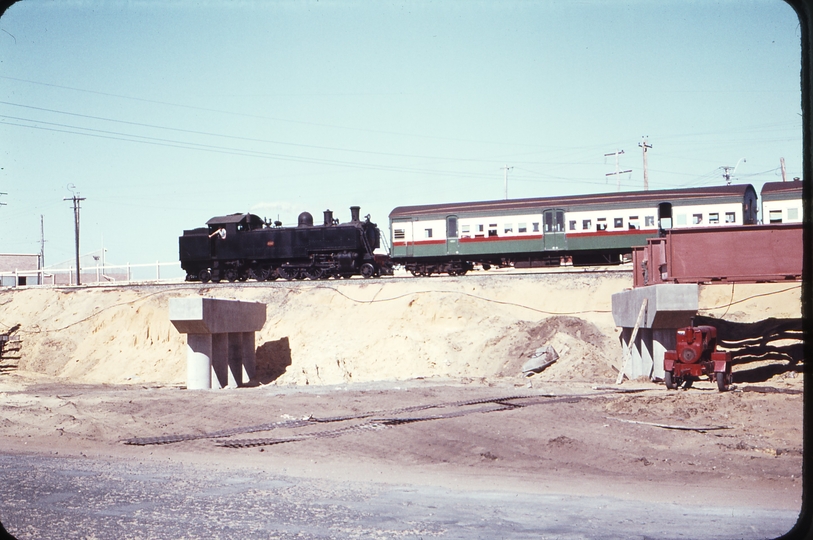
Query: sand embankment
331	332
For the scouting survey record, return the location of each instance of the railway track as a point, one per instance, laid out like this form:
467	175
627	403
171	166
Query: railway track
365	421
475	276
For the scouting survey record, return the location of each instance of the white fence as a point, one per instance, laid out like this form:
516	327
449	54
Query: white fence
156	272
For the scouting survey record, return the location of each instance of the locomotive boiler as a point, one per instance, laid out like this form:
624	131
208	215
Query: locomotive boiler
238	247
695	356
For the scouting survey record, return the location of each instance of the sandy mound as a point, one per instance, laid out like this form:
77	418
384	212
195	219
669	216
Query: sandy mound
479	327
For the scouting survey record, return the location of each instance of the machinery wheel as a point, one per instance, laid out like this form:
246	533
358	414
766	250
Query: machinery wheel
231	275
367	270
415	272
668	381
724	380
688	383
205	276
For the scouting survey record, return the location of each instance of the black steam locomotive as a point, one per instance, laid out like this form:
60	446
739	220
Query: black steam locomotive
243	246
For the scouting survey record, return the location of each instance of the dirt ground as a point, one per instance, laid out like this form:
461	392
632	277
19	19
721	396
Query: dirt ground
409	381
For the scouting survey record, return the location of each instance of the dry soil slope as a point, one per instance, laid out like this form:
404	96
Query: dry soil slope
476	327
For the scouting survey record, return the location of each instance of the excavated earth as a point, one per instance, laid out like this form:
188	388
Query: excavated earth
406	381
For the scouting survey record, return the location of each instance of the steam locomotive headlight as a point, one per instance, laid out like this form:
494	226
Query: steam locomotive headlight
688	355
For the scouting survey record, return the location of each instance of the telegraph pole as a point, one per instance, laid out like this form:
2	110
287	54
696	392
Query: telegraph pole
784	174
729	171
76	200
42	242
506	168
617	171
645	145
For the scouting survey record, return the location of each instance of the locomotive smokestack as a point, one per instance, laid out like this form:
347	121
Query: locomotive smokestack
354	213
328	218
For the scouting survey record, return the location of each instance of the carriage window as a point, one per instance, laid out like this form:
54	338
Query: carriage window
714	218
492	229
793	213
601	224
730	217
649	221
427	233
776	216
633	222
521	228
586	224
680	219
480	228
399	234
697	219
572	224
618	222
509	228
465	231
536	227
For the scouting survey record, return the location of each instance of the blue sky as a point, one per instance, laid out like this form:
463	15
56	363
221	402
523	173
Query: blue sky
165	114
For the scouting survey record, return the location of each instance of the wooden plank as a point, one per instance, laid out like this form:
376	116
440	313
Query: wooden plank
631	343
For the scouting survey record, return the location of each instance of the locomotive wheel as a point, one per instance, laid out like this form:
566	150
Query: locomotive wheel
367	270
231	275
415	272
313	272
205	276
668	381
287	273
261	273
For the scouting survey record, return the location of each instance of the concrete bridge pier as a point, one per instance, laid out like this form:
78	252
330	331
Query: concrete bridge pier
220	339
649	317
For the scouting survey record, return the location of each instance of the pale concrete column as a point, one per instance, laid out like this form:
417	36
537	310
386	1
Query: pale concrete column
646	352
220	360
249	357
663	339
235	359
636	365
198	361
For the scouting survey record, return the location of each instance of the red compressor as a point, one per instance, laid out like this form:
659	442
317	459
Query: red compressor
696	356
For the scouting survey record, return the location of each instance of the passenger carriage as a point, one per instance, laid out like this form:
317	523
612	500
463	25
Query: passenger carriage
583	229
781	202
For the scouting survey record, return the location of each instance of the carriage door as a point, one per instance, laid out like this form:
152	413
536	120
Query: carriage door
665	216
553	227
452	246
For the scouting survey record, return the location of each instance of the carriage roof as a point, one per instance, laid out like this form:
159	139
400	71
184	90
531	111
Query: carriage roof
597	201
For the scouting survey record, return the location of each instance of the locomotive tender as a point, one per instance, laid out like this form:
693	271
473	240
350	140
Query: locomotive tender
582	229
242	246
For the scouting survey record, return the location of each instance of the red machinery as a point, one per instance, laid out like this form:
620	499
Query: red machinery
696	356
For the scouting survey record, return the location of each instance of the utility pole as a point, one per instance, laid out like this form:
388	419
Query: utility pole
617	171
782	162
645	145
729	171
42	241
506	168
76	200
